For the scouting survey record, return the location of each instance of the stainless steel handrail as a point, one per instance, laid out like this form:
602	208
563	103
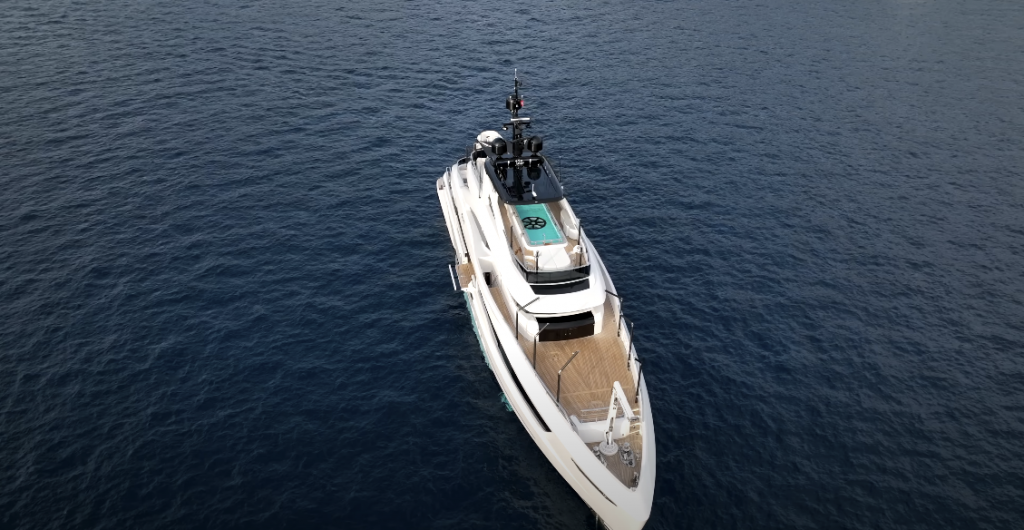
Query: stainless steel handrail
618	329
526	266
629	348
558	393
535	336
521	307
639	375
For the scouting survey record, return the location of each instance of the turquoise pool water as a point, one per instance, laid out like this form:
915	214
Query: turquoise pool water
540	229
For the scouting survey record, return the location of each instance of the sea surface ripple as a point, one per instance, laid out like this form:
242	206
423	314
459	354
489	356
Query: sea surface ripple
225	301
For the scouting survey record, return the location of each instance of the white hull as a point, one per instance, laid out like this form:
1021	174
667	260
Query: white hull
619	506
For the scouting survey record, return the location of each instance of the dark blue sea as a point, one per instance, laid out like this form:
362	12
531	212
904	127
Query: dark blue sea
224	294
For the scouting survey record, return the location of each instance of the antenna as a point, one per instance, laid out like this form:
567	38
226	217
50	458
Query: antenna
515	101
513	104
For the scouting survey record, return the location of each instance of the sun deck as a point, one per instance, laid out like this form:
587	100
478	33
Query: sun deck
528	255
587	382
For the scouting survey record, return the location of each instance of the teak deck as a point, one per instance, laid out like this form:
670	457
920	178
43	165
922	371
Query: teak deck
615	464
465	274
586	388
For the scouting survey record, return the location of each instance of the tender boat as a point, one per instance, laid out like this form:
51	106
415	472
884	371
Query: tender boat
550	321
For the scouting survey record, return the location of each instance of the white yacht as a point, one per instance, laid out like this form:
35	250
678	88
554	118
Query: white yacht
550	321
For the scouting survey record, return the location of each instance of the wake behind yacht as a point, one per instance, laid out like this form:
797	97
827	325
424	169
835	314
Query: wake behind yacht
550	320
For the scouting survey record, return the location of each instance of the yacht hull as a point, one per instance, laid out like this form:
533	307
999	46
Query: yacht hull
618	506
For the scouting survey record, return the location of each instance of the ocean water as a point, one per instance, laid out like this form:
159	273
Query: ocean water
224	295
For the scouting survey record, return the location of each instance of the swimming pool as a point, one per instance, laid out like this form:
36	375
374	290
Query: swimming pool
538	225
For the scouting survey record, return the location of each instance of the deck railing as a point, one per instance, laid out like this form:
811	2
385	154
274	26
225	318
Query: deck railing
554	399
629	347
618	331
535	337
558	392
579	262
519	308
640	373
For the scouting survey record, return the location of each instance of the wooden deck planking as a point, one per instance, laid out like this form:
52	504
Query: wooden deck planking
587	382
499	300
614	463
465	274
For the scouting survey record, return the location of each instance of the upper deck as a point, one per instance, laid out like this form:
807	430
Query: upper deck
551	265
524	180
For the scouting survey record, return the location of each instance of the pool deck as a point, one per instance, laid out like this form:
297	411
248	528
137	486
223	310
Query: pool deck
548	234
522	251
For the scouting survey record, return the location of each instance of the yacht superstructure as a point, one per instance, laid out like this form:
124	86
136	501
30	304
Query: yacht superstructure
550	320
